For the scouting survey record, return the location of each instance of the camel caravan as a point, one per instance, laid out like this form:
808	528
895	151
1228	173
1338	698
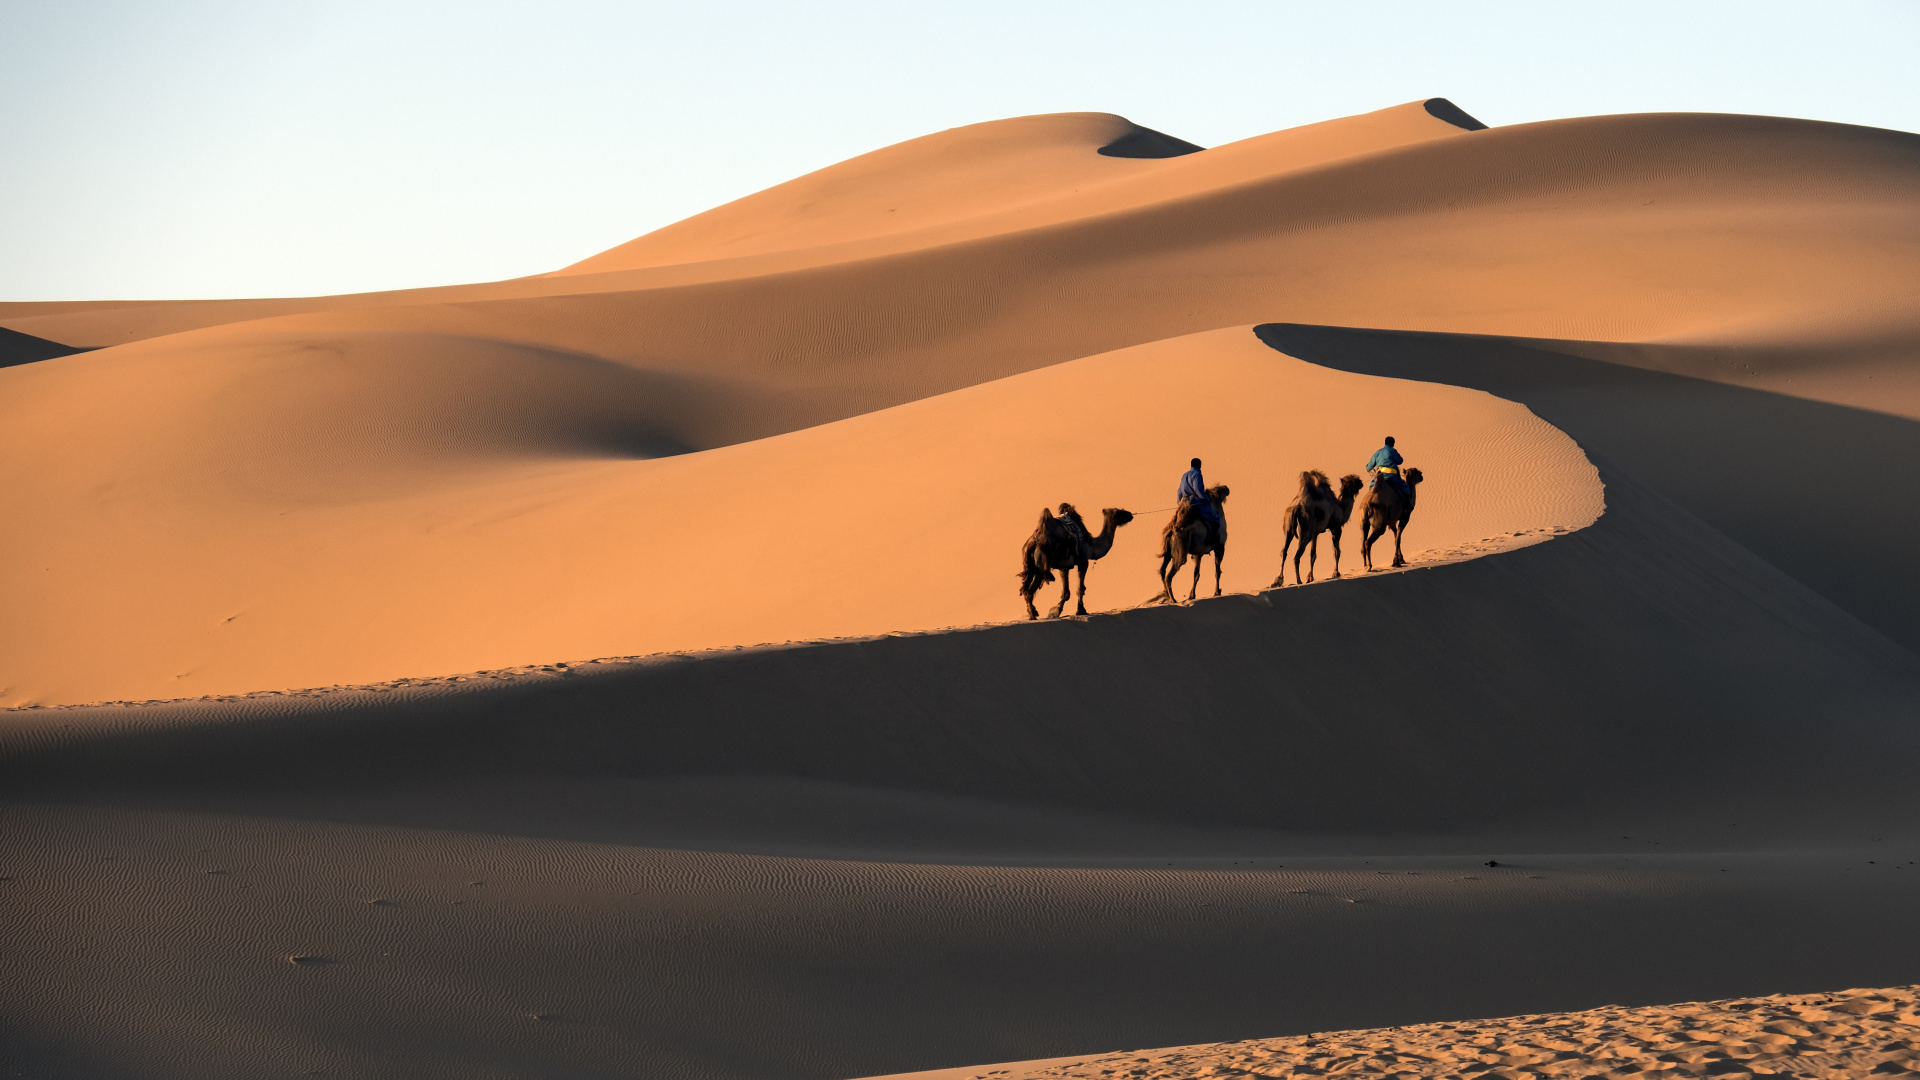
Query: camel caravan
1198	528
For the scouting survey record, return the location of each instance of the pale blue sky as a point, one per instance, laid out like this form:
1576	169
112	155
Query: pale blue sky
255	148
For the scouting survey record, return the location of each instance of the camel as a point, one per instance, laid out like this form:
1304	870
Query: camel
1061	543
1385	509
1314	511
1190	535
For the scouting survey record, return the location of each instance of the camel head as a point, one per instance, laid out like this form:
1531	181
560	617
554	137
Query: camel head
1414	477
1218	494
1350	486
1116	515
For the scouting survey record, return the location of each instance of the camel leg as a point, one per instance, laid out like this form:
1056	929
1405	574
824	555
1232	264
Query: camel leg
1081	602
1032	612
1218	554
1398	559
1313	557
1066	593
1336	553
1198	560
1367	537
1282	579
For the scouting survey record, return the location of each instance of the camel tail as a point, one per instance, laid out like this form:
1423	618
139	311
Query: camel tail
1034	571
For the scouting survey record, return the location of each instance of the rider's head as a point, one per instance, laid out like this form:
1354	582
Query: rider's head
1389	440
1196	463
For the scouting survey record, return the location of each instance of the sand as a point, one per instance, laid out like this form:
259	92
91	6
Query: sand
283	560
1854	1033
618	670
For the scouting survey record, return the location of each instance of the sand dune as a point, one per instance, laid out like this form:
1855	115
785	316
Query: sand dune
366	544
1651	226
617	671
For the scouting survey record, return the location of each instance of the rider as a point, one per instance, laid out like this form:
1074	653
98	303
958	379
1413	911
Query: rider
1193	489
1386	462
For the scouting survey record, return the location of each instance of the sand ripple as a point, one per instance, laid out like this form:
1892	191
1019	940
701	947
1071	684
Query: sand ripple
1853	1033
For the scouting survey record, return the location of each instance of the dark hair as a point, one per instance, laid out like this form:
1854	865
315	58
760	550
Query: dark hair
1196	463
1389	440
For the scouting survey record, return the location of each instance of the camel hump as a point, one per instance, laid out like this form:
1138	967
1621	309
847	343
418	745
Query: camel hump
1046	516
1310	479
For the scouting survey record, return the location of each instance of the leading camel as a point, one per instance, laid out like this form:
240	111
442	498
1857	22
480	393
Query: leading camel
1061	543
1316	510
1190	535
1386	508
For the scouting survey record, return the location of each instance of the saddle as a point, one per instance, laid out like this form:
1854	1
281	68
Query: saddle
1185	514
1076	530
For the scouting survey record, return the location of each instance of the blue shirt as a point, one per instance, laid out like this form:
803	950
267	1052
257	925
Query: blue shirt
1386	455
1194	487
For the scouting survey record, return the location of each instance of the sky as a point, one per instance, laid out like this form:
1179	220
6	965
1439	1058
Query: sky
203	148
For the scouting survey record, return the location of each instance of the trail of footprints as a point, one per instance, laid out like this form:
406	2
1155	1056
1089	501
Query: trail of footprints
1854	1033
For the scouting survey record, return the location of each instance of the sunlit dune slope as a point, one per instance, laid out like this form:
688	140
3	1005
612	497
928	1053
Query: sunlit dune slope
1852	1033
1005	175
961	173
209	537
1751	232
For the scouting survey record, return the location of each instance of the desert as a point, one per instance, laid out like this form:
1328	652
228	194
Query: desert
619	670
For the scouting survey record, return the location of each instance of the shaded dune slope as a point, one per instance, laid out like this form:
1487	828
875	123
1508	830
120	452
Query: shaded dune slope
18	348
494	955
1750	461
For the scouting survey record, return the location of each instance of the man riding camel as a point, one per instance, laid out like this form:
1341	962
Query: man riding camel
1193	492
1385	463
